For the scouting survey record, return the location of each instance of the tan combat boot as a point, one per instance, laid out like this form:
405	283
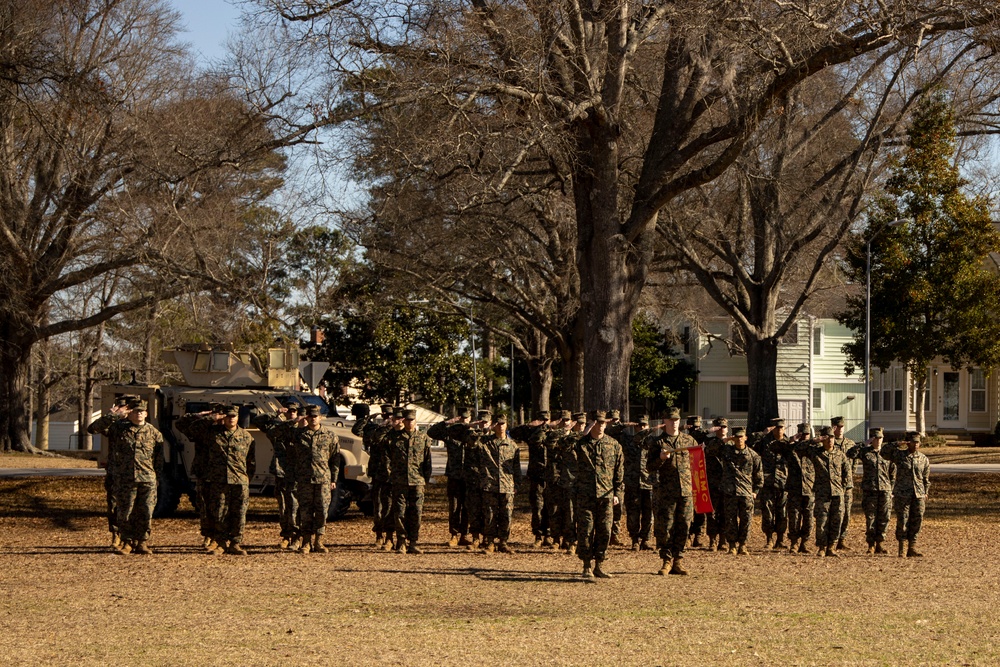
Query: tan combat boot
664	567
871	549
294	544
547	543
879	549
830	551
792	546
538	542
116	541
587	572
464	541
804	548
572	549
713	543
599	571
743	551
124	548
696	542
615	541
504	548
306	545
779	542
911	551
318	545
386	544
143	548
841	546
769	543
902	549
283	544
399	547
732	548
677	569
490	548
453	542
644	546
412	548
234	549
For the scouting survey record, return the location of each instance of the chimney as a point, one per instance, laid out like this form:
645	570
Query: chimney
316	335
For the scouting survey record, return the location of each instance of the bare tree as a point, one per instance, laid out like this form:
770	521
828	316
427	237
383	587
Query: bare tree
710	71
116	160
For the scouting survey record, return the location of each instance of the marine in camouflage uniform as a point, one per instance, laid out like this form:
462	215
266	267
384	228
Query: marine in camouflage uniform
410	469
500	462
668	458
138	456
458	516
229	464
314	454
374	436
472	472
621	432
638	487
877	478
533	435
833	474
773	498
599	467
563	452
278	430
799	486
699	525
120	410
909	491
715	521
743	477
845	445
553	492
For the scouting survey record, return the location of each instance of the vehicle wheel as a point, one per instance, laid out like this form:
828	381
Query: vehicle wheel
168	496
340	502
340	424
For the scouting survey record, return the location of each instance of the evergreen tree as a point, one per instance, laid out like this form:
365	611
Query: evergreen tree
933	292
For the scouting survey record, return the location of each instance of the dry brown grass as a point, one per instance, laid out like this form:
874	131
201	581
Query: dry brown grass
54	460
67	600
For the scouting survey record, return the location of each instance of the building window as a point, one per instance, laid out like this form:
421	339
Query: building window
817	398
739	398
898	382
876	402
977	395
817	341
791	336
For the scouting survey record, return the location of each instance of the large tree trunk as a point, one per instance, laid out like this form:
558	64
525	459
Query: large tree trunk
147	351
540	370
573	358
14	363
762	375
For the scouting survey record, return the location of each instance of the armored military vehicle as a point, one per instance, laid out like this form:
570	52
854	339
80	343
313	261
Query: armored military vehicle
219	374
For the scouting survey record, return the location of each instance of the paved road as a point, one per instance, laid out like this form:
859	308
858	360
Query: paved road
439	460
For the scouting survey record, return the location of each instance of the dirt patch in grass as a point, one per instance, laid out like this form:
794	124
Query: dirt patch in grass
67	600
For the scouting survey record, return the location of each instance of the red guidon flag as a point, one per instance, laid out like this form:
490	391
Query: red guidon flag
699	482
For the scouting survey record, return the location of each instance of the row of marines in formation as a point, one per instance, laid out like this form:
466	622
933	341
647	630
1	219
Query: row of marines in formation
223	464
583	469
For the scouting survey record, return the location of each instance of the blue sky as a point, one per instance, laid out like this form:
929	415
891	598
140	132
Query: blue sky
208	23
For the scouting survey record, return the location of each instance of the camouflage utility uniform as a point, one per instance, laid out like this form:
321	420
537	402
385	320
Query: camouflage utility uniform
801	501
599	468
909	494
673	500
138	456
878	475
314	455
410	466
742	479
279	432
833	475
500	461
773	496
458	515
534	438
639	483
374	437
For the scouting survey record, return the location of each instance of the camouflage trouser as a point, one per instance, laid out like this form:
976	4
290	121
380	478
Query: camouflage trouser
458	516
774	519
616	520
381	493
593	526
715	521
407	506
877	505
206	520
739	512
553	510
288	511
673	518
829	512
638	511
314	503
845	519
539	516
135	502
800	516
474	506
109	490
498	509
227	503
567	504
909	517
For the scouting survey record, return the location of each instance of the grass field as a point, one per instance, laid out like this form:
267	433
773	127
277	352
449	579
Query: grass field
68	600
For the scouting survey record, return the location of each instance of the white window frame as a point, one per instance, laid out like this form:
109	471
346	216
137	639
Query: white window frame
818	402
791	337
973	390
817	340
